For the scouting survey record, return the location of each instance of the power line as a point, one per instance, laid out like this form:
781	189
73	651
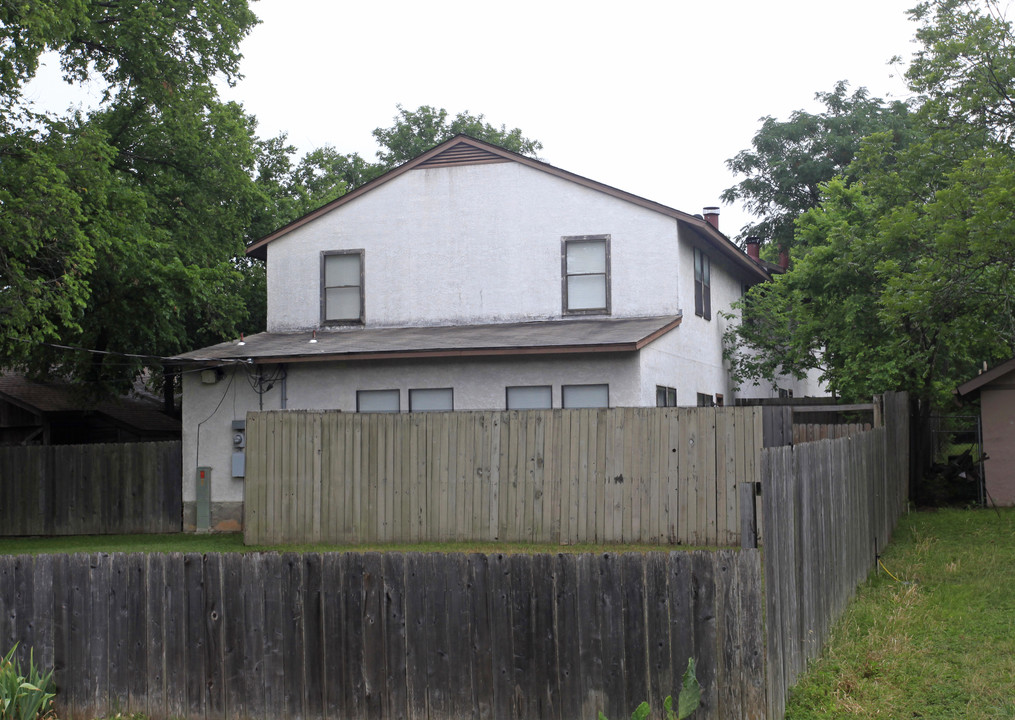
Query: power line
162	360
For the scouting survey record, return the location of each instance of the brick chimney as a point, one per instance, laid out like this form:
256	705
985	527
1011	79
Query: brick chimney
784	258
712	216
754	248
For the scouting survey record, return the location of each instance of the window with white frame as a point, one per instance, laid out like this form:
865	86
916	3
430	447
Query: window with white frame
371	401
585	271
431	400
585	396
341	287
702	285
529	397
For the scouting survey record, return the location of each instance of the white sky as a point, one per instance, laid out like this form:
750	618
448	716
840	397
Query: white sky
648	96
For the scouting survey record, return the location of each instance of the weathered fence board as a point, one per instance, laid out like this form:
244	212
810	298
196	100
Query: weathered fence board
828	506
388	636
650	475
91	489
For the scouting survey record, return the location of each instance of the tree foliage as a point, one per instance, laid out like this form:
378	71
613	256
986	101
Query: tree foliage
416	131
122	225
902	274
790	159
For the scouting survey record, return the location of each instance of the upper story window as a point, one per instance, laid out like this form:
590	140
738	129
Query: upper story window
585	274
341	287
702	285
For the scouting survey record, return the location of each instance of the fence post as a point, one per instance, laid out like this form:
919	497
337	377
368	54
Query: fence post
748	516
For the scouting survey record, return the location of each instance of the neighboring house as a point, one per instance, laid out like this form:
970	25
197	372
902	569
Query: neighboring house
50	413
472	278
996	390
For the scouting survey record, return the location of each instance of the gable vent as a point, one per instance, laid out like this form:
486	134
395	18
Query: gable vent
462	154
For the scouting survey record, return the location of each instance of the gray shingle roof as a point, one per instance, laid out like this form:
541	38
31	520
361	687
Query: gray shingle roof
550	337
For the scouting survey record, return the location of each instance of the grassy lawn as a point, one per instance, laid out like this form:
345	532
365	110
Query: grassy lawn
233	542
938	643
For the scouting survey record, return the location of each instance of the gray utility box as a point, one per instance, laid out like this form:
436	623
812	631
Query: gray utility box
239	433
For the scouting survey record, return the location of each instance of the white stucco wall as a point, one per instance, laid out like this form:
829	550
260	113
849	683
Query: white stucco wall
473	244
476	243
208	410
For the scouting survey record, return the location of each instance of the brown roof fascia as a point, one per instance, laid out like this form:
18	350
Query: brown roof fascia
702	226
984	378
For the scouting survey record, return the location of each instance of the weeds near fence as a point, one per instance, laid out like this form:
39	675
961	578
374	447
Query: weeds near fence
935	638
689	699
24	697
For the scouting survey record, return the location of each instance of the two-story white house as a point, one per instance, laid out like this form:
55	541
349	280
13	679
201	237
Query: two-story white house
470	278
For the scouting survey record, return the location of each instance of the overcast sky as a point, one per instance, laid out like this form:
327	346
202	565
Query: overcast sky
650	97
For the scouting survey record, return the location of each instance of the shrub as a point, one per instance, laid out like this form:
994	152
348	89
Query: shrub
688	702
24	697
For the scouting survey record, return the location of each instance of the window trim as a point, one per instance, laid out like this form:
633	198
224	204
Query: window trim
509	388
325	322
564	275
702	284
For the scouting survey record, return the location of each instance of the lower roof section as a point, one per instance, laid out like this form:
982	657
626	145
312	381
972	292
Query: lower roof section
550	337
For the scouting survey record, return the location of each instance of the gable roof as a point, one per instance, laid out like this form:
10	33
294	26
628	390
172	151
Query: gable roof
465	150
984	378
50	398
543	337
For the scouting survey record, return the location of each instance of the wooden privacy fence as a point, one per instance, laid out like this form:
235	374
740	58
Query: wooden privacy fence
828	507
91	489
350	635
654	475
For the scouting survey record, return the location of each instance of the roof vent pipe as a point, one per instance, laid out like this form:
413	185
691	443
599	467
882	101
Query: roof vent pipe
754	248
712	216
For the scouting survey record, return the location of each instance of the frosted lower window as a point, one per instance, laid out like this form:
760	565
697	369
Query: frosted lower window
373	401
427	400
529	397
586	396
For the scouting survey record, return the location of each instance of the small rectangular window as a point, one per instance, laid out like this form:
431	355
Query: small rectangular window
666	396
585	270
719	400
529	397
586	396
342	287
432	400
704	400
702	285
377	401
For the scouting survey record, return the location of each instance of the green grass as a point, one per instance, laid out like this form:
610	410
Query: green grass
233	542
938	643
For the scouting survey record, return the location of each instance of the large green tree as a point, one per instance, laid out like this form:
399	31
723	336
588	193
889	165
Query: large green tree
903	272
122	225
788	160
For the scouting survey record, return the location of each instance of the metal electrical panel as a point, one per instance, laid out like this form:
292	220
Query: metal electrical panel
239	465
203	520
